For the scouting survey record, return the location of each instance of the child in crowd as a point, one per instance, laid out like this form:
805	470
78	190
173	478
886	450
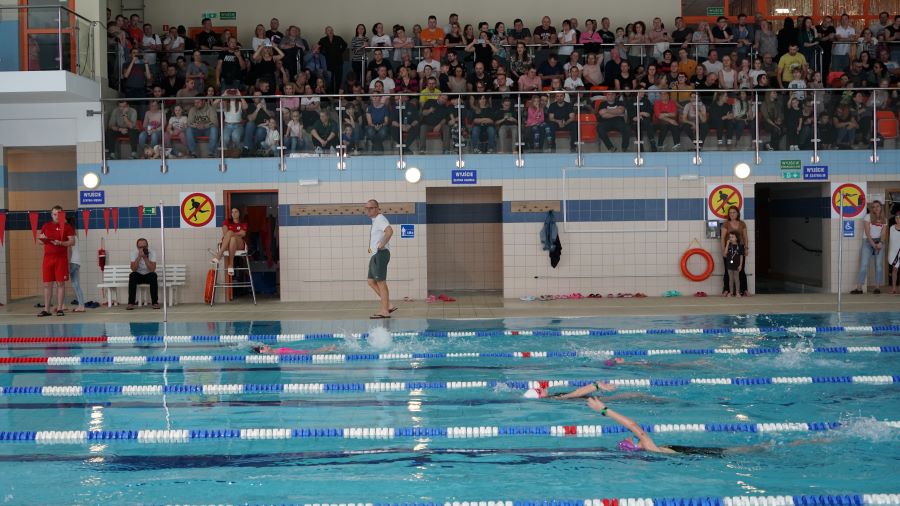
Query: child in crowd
734	261
797	84
273	138
294	133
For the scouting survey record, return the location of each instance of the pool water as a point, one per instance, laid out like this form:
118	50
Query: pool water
861	456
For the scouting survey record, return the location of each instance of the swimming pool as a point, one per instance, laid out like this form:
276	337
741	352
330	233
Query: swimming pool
180	414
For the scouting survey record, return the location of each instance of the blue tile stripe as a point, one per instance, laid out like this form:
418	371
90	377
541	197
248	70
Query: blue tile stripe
608	210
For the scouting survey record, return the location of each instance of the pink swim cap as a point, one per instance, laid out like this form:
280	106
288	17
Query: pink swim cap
628	445
609	362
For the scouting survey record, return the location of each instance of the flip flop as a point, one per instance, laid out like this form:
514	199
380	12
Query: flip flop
446	298
407	299
378	317
76	310
671	293
44	313
700	294
391	310
527	298
640	295
60	313
431	299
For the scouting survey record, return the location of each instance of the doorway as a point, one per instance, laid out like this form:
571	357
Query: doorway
790	230
259	209
465	239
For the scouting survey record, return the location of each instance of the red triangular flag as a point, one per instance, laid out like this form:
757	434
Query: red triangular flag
140	216
115	212
2	227
33	216
106	218
86	218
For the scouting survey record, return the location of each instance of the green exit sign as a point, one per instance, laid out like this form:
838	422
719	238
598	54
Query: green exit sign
790	174
715	11
228	15
210	15
790	164
150	211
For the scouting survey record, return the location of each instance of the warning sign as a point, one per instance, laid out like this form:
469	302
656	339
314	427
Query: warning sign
722	197
198	210
849	196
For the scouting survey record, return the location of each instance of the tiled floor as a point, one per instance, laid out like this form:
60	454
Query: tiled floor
468	305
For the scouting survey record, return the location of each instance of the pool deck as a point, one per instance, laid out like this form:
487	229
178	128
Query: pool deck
472	305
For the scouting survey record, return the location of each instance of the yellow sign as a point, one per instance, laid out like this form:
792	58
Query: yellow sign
197	210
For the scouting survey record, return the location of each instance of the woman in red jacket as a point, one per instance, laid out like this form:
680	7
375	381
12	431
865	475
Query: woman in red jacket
233	234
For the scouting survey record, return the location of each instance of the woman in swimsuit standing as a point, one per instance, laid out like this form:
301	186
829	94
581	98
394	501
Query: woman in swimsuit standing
736	225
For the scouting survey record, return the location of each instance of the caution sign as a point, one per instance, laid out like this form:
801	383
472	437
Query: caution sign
198	210
851	197
721	197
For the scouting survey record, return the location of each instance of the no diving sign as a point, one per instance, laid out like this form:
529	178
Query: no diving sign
721	198
198	210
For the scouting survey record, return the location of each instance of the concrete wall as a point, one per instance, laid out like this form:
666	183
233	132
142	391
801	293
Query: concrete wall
312	21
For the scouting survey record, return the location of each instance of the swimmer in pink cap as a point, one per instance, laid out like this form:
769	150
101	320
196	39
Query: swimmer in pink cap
268	350
542	391
641	441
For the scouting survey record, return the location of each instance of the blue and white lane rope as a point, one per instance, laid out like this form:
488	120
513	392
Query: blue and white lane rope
189	435
338	388
284	338
874	499
368	357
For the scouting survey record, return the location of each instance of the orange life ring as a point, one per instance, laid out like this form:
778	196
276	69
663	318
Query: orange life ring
706	256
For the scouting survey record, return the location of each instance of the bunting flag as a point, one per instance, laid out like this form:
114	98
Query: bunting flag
106	219
33	217
140	216
115	213
85	218
2	227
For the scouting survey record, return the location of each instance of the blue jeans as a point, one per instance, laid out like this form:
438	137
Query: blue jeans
866	255
491	131
191	135
377	137
154	138
253	135
540	132
295	144
232	134
76	283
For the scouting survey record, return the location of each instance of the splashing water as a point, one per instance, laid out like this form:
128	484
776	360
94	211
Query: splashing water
380	339
793	356
870	429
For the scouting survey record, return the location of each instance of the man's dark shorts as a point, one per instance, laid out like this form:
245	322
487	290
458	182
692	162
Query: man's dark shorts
378	265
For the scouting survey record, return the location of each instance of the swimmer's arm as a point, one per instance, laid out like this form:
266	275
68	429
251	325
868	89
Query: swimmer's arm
586	390
646	442
324	349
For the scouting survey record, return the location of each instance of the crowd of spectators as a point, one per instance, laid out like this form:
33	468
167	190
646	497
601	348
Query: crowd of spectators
683	81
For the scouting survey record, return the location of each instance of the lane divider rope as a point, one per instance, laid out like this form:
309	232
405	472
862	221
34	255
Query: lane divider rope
338	388
368	357
188	435
237	338
743	500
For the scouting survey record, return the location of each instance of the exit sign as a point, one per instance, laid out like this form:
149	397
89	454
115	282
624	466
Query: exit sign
149	211
715	11
790	174
790	164
227	15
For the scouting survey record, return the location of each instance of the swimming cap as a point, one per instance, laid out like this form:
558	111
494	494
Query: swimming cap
630	445
609	362
535	393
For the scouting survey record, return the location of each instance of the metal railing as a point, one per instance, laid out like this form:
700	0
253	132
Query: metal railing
515	123
70	37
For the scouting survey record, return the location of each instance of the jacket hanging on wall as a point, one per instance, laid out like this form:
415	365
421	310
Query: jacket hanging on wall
550	239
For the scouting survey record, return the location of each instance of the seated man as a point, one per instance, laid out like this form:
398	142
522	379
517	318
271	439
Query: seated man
203	120
434	118
122	122
561	116
143	272
324	133
612	118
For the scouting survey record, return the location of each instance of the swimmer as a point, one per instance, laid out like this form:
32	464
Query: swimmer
619	361
268	350
641	441
542	392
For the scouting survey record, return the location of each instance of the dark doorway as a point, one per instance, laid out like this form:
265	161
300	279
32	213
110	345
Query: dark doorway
259	208
790	221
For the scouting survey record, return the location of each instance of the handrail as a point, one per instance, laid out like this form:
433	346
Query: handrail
53	7
805	248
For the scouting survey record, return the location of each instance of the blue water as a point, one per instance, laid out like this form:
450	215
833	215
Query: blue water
861	457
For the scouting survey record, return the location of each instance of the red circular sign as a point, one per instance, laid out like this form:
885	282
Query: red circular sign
197	210
722	197
854	200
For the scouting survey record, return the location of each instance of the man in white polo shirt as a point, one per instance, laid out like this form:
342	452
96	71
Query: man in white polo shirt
379	256
844	35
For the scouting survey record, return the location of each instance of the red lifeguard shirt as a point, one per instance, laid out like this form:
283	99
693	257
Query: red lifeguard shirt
235	227
56	232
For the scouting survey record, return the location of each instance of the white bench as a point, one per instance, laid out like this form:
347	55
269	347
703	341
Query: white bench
115	276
